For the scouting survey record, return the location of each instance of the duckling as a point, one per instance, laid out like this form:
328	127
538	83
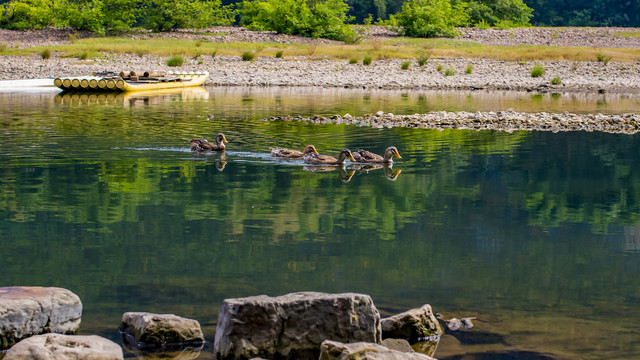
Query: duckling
328	160
363	156
204	145
293	154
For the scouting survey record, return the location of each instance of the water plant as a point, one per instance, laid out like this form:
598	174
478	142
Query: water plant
405	65
45	54
367	60
248	55
556	81
175	60
537	71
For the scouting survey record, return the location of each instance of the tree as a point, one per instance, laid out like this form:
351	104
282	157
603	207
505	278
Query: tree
493	12
315	18
432	18
27	14
165	15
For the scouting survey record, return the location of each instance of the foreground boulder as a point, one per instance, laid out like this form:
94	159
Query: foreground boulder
414	325
333	350
65	347
293	326
160	330
27	311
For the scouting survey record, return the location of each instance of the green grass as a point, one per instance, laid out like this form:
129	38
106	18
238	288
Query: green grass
394	48
450	72
603	58
627	34
45	54
175	60
469	69
556	81
537	71
439	67
423	58
367	60
279	54
353	61
405	65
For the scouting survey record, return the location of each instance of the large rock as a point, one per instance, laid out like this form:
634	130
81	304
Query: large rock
293	326
333	350
413	325
65	347
159	330
28	311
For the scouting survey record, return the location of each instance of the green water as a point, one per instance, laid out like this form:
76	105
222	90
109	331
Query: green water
536	234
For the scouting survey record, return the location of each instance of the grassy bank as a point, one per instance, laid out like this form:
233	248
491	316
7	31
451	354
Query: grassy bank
376	48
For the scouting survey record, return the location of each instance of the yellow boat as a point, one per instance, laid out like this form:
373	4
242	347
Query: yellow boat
132	82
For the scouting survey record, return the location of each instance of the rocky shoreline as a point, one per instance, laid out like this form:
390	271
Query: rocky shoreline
309	71
507	121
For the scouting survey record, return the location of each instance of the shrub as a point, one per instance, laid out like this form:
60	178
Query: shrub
165	15
537	71
279	54
248	55
510	13
353	61
175	60
450	72
320	18
405	65
423	58
603	58
45	54
469	69
556	81
432	18
367	60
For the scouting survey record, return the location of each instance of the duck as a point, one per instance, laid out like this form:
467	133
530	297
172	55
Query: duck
329	160
204	145
363	156
293	154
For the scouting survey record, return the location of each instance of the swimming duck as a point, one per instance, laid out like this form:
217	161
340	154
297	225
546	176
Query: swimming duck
204	145
328	160
293	154
363	156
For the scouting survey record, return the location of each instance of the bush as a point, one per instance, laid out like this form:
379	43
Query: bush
353	61
537	71
502	14
26	14
439	67
367	60
432	18
450	72
175	60
279	54
320	18
405	65
248	55
45	54
556	81
423	58
469	69
165	15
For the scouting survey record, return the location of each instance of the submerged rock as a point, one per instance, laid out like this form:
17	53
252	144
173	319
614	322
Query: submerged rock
65	347
27	311
293	326
161	330
334	350
413	325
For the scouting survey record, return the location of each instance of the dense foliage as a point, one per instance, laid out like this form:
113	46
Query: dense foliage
317	18
586	13
432	18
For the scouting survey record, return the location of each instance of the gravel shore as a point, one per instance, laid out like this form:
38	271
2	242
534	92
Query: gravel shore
383	74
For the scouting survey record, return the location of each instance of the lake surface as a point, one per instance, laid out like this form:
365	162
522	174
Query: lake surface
535	234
